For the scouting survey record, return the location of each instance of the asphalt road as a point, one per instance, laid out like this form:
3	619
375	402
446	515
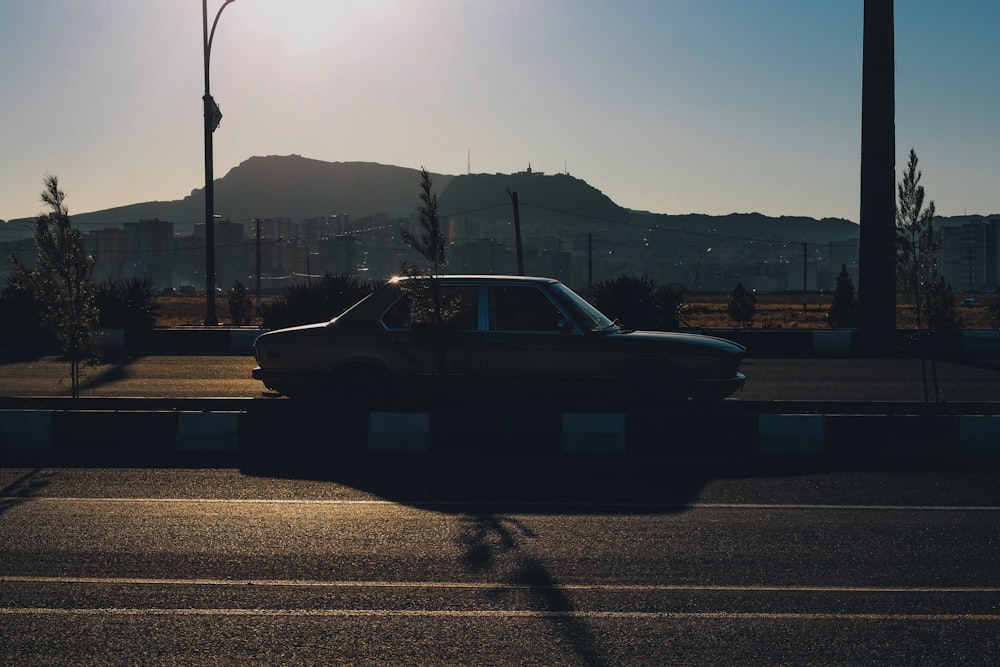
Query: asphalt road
315	564
848	379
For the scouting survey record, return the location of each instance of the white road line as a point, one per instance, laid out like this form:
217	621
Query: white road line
517	505
491	586
428	613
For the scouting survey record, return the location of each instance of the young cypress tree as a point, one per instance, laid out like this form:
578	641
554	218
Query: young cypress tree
61	283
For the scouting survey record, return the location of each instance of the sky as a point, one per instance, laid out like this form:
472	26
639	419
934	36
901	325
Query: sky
669	106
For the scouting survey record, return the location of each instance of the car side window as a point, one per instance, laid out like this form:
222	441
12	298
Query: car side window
416	308
523	308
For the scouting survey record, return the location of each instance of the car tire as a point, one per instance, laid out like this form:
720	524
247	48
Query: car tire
361	386
651	385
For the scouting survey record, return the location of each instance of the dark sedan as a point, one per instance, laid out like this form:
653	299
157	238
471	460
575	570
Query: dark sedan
490	336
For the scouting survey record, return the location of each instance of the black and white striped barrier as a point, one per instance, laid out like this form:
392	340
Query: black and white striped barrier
720	436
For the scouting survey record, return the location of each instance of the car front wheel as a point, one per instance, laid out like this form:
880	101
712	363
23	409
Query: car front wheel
651	385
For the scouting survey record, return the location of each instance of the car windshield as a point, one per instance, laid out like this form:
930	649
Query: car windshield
589	317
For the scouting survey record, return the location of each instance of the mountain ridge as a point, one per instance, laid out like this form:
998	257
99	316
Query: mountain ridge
295	187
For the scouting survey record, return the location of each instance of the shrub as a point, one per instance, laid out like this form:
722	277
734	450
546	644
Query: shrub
127	304
241	309
639	303
844	309
742	306
939	304
21	314
317	301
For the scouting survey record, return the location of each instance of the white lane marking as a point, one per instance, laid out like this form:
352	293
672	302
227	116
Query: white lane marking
515	504
492	586
493	613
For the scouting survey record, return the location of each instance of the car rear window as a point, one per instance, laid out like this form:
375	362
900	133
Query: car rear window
418	306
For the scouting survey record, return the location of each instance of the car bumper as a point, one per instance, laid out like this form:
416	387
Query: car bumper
281	379
716	389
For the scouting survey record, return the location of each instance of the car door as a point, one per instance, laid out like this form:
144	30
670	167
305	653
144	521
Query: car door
424	350
531	345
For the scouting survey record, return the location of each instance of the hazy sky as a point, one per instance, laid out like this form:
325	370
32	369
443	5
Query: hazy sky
672	106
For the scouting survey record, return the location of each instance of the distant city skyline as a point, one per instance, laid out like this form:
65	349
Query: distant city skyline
671	106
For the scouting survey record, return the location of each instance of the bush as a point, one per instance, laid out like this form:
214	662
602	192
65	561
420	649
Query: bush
742	306
939	304
241	309
844	309
21	314
994	311
127	304
639	303
317	301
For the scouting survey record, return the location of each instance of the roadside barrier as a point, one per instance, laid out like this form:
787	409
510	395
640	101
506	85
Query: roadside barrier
759	342
723	435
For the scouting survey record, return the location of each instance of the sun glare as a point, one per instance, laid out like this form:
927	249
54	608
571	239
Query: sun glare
305	26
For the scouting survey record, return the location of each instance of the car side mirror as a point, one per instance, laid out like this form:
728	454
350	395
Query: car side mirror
564	326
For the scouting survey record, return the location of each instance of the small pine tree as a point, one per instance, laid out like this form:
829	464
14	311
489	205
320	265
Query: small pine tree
430	244
60	282
742	306
844	309
428	295
918	268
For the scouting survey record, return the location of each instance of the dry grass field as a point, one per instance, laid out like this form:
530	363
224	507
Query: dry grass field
774	311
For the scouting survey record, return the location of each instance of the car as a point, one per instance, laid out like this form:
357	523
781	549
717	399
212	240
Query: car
488	337
970	303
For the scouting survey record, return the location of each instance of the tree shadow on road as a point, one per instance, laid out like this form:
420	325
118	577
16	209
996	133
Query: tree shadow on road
106	374
491	545
24	487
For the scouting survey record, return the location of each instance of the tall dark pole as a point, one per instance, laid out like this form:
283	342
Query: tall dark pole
258	264
517	233
877	257
590	264
212	118
805	276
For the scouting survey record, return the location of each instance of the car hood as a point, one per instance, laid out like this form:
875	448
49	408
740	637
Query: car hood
686	340
294	332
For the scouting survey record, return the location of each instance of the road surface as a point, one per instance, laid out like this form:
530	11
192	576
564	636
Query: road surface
849	379
311	565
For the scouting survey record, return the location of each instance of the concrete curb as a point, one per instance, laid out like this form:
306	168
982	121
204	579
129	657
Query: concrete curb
759	342
717	436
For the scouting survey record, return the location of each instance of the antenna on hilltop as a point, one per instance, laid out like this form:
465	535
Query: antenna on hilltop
468	160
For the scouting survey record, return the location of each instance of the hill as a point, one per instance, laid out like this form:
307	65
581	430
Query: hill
283	186
297	188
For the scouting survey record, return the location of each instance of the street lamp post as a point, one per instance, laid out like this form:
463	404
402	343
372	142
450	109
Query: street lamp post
212	118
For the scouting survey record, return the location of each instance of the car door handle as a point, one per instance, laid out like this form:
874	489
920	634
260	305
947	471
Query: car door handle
493	340
401	340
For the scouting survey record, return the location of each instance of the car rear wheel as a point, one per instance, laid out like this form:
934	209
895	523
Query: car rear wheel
361	386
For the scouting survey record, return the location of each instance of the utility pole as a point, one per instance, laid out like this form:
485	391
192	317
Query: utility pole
517	233
212	118
258	264
590	264
805	276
